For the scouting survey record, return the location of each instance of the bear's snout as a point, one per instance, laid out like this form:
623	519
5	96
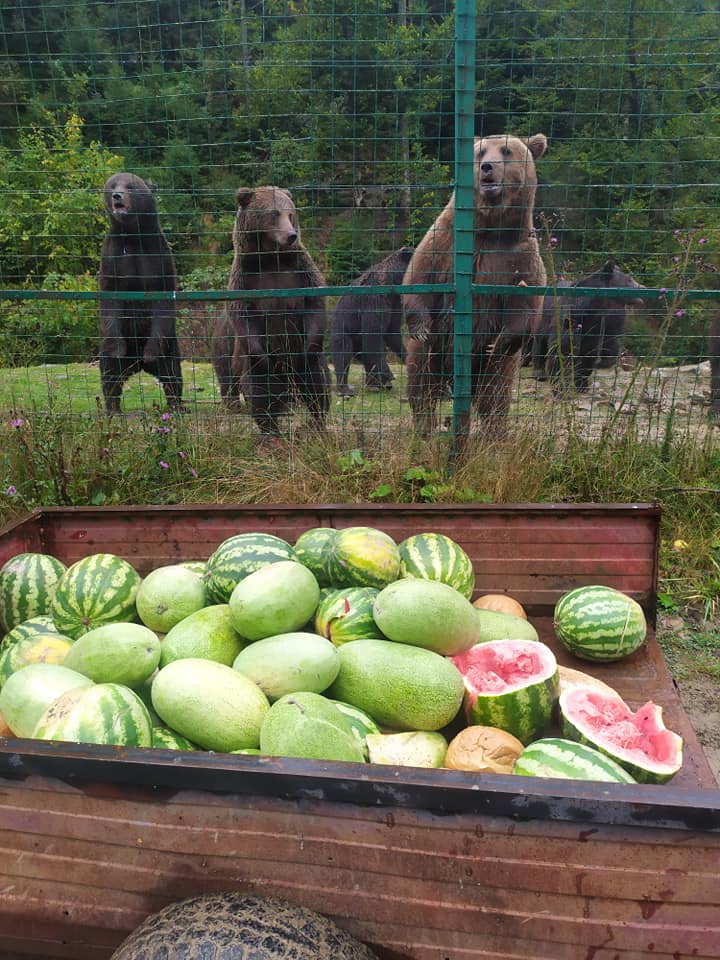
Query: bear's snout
291	238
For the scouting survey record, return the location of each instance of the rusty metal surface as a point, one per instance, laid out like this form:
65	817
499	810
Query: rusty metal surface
423	865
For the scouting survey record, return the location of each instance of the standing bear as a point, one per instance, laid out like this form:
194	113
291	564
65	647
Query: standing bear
365	326
269	348
506	252
137	334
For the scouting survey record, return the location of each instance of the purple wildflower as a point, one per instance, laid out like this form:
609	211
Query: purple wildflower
679	313
193	473
11	490
165	466
17	423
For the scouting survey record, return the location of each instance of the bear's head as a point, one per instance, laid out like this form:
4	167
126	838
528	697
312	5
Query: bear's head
505	176
130	203
266	220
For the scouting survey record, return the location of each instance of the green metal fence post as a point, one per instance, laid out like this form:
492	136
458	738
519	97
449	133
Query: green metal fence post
463	229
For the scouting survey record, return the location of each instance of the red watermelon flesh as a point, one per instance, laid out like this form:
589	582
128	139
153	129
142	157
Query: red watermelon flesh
495	668
639	740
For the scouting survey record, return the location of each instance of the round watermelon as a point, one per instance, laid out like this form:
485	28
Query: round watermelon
363	557
163	738
568	760
42	626
434	556
510	684
346	614
96	590
599	623
27	586
313	550
639	741
239	556
108	713
38	648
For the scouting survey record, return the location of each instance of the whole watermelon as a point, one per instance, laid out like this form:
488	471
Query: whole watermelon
347	614
434	556
93	591
313	550
108	713
599	623
27	586
363	557
239	556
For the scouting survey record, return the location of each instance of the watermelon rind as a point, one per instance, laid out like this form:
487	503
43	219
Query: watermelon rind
106	713
27	585
362	723
96	590
599	623
435	556
39	648
523	706
568	760
40	626
313	550
363	557
605	722
346	614
240	555
163	738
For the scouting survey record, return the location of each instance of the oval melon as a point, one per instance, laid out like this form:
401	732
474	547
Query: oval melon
427	613
402	687
207	634
496	625
169	594
106	713
124	653
308	725
211	704
289	662
278	598
28	693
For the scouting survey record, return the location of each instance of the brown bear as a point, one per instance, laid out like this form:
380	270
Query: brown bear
506	252
270	348
137	334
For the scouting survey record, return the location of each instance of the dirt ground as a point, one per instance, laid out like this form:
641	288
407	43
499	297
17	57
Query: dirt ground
701	699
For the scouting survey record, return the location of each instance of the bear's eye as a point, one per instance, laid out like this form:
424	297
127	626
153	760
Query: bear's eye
506	152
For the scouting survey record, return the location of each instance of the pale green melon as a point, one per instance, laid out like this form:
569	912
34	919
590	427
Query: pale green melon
278	598
125	653
308	725
211	704
289	662
169	594
207	634
28	693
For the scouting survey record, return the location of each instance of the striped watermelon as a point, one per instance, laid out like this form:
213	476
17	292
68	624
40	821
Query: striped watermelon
568	760
27	586
106	713
313	550
363	557
347	614
93	591
40	648
510	684
433	556
362	723
41	626
163	738
638	741
240	555
599	623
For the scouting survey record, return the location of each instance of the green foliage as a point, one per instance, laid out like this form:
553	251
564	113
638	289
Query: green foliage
53	218
50	331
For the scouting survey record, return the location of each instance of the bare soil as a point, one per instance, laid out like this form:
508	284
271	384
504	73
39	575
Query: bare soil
701	699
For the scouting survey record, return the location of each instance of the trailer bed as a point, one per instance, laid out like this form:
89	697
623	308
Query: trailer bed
420	864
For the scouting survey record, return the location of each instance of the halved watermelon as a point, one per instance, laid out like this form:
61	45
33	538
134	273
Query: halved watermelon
510	684
638	741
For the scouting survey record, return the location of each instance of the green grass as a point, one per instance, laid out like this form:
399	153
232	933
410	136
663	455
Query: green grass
691	649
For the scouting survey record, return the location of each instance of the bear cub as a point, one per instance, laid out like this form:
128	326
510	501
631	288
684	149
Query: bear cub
269	348
365	326
136	335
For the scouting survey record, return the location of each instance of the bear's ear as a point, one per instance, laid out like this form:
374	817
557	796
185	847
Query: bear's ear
537	145
243	196
608	268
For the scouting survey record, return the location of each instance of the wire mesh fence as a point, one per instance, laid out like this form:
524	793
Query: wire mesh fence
594	296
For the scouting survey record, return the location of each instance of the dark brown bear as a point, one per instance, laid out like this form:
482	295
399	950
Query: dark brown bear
269	348
367	326
577	334
505	252
137	334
